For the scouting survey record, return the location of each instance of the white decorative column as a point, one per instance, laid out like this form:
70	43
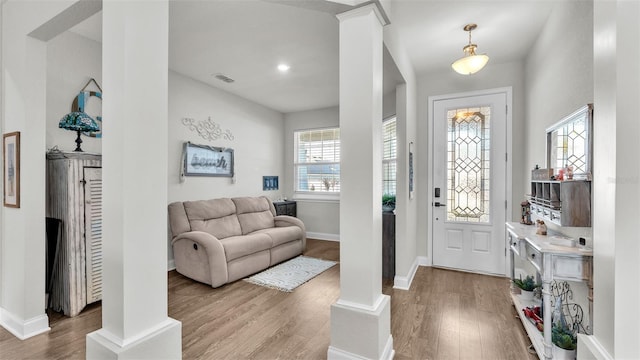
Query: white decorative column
360	319
135	324
616	183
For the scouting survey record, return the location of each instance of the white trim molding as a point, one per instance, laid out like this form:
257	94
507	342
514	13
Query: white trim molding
24	329
590	348
338	354
323	236
404	282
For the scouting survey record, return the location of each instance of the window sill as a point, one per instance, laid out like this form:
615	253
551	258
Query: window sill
302	196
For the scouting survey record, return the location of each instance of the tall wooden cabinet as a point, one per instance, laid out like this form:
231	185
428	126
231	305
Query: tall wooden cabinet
74	196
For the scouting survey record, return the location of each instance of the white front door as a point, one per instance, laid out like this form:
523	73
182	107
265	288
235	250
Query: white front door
469	179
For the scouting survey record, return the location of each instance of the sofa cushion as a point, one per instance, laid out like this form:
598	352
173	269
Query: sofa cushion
238	246
281	235
216	217
254	213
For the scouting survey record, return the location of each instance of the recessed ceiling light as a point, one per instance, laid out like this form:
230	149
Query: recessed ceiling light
283	67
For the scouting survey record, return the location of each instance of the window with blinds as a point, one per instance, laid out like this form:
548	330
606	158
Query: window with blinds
389	156
317	161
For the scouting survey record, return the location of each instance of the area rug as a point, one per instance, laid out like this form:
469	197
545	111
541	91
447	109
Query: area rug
291	274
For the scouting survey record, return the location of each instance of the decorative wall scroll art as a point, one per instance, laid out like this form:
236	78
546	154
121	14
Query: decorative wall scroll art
81	102
203	160
207	129
571	312
269	183
11	173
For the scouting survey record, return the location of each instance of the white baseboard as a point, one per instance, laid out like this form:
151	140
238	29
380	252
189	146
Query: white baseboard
404	282
424	261
24	329
323	236
171	265
590	348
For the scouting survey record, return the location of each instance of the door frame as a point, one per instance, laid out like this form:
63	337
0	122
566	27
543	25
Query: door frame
508	91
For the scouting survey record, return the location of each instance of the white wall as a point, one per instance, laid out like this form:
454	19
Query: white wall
492	76
559	80
557	84
321	218
23	94
72	60
258	141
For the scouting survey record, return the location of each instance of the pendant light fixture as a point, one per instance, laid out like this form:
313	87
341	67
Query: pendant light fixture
470	63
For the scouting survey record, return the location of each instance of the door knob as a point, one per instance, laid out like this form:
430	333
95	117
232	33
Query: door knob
438	204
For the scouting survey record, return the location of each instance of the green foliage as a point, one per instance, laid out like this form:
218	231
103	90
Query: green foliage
389	200
563	338
528	284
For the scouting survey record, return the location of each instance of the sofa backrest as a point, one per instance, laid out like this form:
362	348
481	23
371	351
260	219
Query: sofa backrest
222	217
254	213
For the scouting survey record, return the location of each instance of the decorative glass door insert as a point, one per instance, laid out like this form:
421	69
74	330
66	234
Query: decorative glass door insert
468	164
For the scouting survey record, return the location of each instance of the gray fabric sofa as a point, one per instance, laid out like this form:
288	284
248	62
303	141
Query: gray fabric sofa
222	240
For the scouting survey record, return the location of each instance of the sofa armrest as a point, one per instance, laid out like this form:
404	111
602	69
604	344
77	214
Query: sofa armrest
215	254
286	220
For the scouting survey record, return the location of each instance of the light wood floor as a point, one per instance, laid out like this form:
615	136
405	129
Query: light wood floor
445	315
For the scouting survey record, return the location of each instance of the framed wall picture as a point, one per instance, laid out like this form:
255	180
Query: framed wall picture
11	170
204	160
269	183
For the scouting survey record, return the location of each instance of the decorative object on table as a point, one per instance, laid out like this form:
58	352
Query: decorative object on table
204	160
80	105
541	227
541	174
269	183
207	129
571	313
11	169
564	342
291	274
78	120
534	314
470	63
566	320
388	202
526	287
525	213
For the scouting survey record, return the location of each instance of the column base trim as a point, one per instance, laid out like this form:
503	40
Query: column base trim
163	341
590	348
361	331
24	329
336	354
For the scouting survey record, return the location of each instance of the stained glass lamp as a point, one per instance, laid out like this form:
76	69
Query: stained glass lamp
78	121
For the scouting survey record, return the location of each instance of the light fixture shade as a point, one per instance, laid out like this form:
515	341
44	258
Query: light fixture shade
471	64
78	121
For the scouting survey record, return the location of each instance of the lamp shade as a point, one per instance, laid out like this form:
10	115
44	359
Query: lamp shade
471	64
78	121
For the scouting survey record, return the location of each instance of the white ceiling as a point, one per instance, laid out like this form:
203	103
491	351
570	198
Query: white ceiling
246	40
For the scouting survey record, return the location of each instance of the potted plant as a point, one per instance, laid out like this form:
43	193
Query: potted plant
388	202
564	341
526	287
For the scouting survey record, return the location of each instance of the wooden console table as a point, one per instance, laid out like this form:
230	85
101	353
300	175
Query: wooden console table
552	262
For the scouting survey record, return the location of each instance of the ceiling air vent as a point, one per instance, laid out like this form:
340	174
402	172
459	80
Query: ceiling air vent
224	78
